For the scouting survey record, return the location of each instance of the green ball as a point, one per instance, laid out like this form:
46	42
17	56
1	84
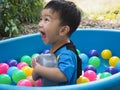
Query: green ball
95	61
18	75
26	59
35	55
78	51
105	74
5	79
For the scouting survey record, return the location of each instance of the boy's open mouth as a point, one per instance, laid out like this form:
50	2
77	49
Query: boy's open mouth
43	34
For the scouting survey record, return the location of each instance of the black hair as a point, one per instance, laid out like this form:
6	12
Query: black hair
69	14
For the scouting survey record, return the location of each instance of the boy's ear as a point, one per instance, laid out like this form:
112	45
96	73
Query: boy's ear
64	30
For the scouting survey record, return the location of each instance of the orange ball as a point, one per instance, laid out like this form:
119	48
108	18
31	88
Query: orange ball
106	54
82	79
113	61
27	70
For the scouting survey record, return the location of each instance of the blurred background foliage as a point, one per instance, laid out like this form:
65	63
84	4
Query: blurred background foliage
13	13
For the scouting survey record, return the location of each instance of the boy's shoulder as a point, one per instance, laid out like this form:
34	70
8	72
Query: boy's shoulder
66	49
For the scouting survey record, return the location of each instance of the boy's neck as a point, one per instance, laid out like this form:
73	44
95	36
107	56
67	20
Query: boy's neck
58	45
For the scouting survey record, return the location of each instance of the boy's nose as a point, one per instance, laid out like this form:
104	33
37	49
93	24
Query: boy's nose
40	24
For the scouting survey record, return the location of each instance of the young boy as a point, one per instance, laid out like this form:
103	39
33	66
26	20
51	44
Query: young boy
59	19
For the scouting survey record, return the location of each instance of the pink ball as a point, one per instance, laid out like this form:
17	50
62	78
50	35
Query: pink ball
91	75
24	82
3	68
38	83
21	64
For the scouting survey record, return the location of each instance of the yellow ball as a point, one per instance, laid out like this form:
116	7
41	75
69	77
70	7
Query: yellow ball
113	61
27	70
82	79
106	54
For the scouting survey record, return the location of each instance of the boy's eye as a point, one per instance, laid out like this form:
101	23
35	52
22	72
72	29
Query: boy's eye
40	19
46	19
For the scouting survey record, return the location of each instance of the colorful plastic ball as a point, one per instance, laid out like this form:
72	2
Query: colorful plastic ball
111	70
113	61
91	75
22	64
35	55
26	59
90	67
105	75
106	54
82	79
93	53
12	62
38	83
45	51
78	51
24	82
95	61
3	68
84	58
5	79
18	75
27	70
11	70
118	66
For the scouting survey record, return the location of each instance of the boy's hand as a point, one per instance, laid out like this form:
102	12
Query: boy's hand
33	62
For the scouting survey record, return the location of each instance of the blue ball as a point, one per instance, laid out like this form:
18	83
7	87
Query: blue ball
84	58
111	70
118	66
90	67
12	62
93	53
11	70
45	51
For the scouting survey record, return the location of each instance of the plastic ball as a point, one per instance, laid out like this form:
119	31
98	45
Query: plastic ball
90	67
78	51
35	55
111	70
91	75
45	51
5	79
95	61
12	62
27	70
105	74
26	59
82	79
113	61
18	75
106	54
93	53
22	64
3	68
11	70
24	82
84	58
38	83
118	66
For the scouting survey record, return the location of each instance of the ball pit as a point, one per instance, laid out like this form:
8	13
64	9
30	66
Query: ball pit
96	40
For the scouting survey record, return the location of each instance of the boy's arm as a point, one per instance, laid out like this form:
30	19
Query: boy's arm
53	74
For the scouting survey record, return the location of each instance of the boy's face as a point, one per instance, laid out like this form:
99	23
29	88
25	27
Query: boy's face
49	26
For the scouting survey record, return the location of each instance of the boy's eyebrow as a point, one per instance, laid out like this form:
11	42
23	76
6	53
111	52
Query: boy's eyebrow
45	15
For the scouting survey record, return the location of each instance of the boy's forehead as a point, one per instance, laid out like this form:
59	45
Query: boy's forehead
49	12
